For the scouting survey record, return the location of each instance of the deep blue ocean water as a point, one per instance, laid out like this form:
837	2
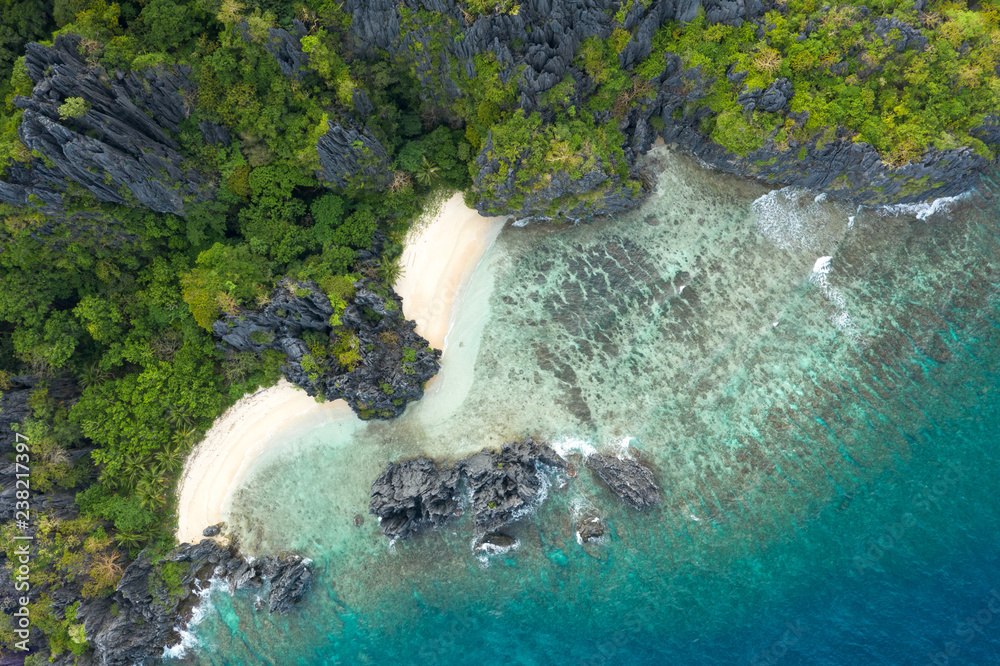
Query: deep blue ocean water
818	388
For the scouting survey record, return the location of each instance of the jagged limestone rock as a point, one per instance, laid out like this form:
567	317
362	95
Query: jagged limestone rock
393	361
142	617
119	149
413	495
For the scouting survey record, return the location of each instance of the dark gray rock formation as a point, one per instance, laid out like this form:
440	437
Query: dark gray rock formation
120	150
353	157
142	617
212	530
496	542
536	48
590	529
413	495
508	484
284	46
394	361
629	479
773	99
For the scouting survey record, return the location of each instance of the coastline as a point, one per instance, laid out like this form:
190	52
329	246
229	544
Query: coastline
440	256
230	447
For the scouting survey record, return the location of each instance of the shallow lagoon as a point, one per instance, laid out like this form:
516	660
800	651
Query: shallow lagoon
816	386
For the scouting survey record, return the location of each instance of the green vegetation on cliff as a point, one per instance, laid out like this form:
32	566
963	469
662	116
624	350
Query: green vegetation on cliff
901	80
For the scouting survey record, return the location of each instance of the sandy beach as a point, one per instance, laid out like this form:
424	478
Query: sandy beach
440	256
438	260
220	462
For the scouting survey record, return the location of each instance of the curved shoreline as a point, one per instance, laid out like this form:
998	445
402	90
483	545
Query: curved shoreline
440	256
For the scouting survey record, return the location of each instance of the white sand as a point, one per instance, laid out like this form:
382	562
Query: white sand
220	462
439	259
438	262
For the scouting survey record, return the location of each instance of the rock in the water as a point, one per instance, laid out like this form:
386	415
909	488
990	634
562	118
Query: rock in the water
629	479
359	520
415	494
289	577
508	484
496	542
590	529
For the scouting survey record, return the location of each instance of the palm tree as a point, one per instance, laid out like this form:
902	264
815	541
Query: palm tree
150	491
426	172
92	374
170	457
129	540
389	271
179	416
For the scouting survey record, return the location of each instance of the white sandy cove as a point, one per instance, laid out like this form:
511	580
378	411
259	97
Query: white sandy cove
439	259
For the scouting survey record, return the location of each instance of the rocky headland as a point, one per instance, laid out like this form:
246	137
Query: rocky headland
390	360
156	597
536	50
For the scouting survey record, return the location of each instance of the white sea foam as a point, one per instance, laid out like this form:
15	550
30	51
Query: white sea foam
188	639
567	445
922	211
842	319
621	447
487	550
792	218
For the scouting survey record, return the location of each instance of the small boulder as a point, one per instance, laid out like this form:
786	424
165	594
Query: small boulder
590	529
212	530
496	541
629	479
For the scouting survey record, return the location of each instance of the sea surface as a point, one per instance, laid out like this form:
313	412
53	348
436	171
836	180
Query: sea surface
817	387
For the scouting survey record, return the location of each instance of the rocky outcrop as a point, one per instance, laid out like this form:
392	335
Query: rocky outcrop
284	46
414	495
536	48
142	617
632	481
391	361
563	195
120	149
352	157
496	542
590	529
773	99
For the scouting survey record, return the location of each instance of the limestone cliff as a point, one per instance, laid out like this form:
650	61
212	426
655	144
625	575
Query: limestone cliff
120	149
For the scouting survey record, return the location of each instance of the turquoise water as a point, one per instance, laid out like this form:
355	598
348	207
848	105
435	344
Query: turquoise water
816	386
